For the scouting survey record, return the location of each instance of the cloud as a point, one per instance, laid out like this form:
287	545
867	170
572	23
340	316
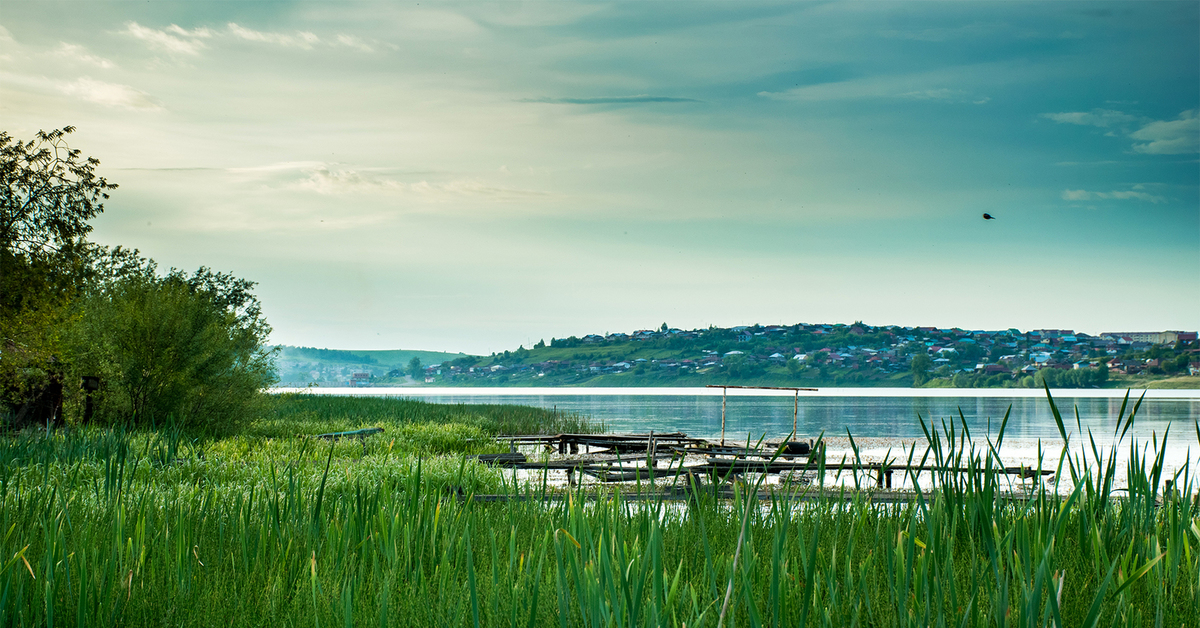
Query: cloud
351	41
173	39
1155	137
110	94
921	86
945	95
609	100
329	179
302	39
1169	137
1120	195
1103	118
79	53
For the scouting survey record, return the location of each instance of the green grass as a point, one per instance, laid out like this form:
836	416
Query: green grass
1191	382
106	527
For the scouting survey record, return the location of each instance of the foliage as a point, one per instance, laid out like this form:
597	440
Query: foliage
181	348
921	365
177	347
48	192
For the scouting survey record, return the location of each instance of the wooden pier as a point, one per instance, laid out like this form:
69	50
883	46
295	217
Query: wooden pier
604	460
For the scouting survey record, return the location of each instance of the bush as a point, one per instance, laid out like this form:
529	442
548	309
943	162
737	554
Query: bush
179	349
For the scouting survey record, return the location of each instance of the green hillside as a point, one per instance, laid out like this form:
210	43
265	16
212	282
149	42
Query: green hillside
302	366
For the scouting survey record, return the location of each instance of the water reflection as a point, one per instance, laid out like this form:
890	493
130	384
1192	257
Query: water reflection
880	417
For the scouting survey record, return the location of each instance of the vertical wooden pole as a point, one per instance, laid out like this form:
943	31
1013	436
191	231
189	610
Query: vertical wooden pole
723	391
796	414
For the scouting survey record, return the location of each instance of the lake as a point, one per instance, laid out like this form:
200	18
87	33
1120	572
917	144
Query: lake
866	412
881	420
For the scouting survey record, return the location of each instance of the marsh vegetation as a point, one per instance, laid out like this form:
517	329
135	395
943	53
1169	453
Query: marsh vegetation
268	527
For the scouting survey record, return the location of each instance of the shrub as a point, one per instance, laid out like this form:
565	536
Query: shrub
187	350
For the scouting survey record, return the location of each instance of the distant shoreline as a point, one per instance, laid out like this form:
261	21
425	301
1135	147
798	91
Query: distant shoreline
666	391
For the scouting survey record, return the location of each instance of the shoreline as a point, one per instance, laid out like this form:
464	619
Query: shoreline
662	391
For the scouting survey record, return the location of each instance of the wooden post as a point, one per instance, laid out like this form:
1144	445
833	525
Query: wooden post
796	414
650	457
889	478
723	391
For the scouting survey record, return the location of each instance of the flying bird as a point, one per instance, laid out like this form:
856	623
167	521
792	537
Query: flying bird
987	216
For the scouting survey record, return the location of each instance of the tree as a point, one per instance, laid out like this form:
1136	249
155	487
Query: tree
48	192
920	368
415	369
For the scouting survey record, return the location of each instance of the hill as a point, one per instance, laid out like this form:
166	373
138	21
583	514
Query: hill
302	366
826	355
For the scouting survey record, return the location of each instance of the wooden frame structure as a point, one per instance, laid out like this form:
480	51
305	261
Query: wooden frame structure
795	413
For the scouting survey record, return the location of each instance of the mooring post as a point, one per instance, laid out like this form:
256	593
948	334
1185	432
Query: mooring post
796	414
562	444
723	391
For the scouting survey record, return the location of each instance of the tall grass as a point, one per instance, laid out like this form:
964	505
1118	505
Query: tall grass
300	413
111	528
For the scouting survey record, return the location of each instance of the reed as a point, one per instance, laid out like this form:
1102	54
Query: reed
106	527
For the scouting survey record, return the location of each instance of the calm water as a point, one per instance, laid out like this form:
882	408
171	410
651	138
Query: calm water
880	413
881	420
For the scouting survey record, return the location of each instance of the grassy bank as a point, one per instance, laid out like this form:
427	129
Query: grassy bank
112	528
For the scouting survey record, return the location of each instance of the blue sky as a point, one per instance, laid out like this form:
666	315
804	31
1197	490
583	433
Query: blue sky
470	177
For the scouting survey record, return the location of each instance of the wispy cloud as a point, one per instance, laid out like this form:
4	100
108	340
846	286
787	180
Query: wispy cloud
1180	136
929	86
609	100
180	41
350	41
300	39
76	52
1169	137
1103	118
337	181
173	39
110	94
1137	193
945	95
330	179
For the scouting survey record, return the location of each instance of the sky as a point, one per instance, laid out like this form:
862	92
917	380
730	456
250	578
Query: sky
477	176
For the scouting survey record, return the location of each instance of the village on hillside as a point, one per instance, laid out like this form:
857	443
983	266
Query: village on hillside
803	354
